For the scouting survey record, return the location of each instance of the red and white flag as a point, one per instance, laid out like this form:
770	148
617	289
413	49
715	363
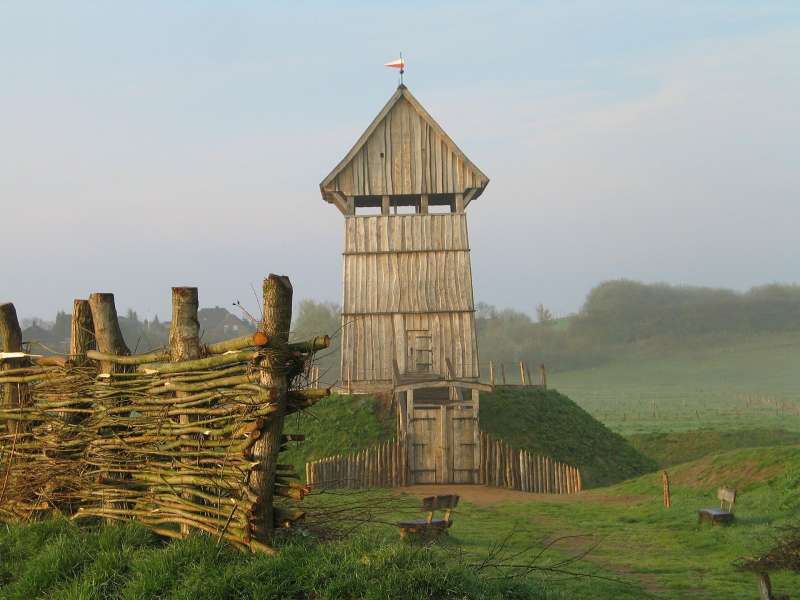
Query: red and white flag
400	63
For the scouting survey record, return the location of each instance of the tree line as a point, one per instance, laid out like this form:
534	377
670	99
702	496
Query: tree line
615	314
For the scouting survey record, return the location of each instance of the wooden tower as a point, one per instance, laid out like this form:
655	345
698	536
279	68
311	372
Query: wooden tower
407	282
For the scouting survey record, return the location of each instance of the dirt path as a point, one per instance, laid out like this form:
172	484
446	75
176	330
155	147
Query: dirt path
482	495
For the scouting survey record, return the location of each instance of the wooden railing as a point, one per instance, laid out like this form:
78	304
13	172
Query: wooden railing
504	466
382	465
513	374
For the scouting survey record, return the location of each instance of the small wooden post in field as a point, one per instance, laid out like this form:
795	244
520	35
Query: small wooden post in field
491	372
522	373
503	372
665	483
542	376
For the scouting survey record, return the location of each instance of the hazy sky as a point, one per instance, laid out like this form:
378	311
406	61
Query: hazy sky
154	144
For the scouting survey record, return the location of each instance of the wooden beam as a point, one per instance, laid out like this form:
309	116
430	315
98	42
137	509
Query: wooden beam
423	204
385	206
444	383
459	203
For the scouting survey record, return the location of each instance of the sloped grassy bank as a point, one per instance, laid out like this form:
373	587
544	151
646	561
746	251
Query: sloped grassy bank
542	421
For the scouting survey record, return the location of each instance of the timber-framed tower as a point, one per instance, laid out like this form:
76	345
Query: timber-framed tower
408	306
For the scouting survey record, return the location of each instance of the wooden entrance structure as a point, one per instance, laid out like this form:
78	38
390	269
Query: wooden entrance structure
437	421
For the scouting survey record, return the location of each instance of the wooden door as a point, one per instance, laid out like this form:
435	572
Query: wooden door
420	350
443	442
461	456
425	444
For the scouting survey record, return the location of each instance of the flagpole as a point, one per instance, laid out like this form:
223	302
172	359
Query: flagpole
402	68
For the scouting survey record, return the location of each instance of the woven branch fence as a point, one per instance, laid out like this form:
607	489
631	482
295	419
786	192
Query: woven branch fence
386	465
179	445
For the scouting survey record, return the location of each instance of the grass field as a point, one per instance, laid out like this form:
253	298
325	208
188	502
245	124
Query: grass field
636	548
711	383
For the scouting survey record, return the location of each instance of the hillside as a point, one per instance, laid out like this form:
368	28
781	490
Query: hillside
545	422
710	382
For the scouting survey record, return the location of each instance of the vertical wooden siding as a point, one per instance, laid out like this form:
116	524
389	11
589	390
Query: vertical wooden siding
403	273
406	155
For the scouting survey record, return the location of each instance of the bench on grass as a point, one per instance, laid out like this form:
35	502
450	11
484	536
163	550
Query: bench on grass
430	527
722	515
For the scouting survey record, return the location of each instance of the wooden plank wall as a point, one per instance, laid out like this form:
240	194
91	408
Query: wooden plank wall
404	273
405	155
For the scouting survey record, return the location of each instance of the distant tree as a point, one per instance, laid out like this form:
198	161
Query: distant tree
62	326
543	315
320	318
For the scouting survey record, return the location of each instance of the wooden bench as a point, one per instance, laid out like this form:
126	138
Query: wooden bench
722	515
430	527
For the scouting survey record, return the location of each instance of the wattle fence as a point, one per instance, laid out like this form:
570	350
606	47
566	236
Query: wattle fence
386	465
183	438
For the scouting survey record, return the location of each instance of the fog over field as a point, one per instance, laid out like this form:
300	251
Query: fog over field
154	145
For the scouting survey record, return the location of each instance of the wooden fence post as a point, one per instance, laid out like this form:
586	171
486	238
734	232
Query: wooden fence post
542	376
665	484
503	372
277	319
14	395
521	373
184	344
81	338
491	373
108	336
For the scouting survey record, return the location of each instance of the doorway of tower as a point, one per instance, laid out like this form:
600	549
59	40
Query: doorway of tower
443	436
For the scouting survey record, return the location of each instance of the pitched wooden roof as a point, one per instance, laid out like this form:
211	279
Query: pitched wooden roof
404	151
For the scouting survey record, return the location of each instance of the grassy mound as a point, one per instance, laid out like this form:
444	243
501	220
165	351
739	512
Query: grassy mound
547	422
56	559
337	425
674	448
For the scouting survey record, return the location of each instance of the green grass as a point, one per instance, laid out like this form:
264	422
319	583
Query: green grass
716	382
674	448
549	423
636	546
55	559
545	422
336	425
663	551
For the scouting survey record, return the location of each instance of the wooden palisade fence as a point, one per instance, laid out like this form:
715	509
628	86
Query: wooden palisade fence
504	466
382	465
183	438
386	465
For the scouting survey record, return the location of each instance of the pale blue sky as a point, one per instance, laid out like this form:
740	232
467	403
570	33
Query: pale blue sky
182	143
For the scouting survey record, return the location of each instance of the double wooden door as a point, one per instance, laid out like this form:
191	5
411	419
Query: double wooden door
444	444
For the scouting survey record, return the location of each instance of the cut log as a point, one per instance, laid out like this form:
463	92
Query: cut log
276	323
257	339
81	338
184	344
108	336
14	395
